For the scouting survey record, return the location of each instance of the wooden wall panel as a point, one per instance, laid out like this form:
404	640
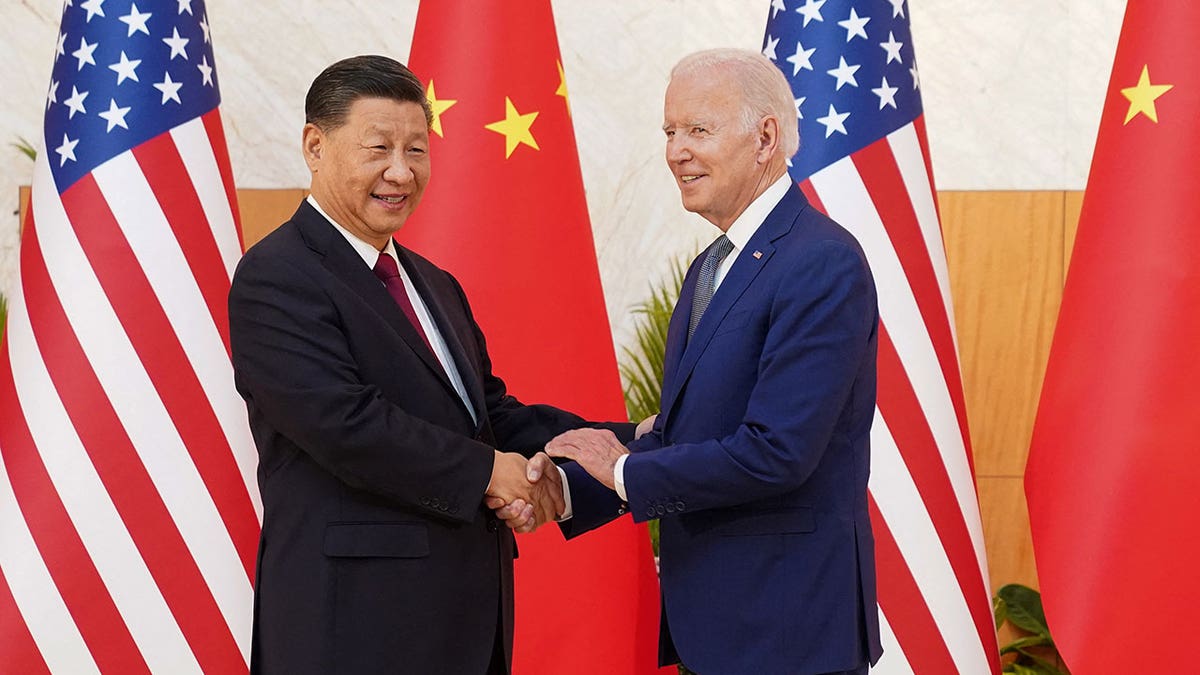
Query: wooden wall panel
1004	251
264	210
1073	204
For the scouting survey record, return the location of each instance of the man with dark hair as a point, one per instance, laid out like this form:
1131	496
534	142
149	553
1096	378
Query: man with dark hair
376	414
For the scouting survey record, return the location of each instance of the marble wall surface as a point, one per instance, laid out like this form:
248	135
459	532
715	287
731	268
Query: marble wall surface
1012	94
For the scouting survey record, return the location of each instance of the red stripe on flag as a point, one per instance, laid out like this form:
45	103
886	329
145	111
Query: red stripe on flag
810	192
117	463
905	608
18	652
923	141
63	552
165	361
216	138
906	420
880	174
176	195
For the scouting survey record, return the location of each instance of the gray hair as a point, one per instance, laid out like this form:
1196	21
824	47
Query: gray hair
765	91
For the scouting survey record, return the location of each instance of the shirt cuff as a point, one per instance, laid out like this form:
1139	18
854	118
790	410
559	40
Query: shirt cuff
567	510
619	477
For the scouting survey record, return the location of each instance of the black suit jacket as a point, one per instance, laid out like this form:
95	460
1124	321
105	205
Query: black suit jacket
376	554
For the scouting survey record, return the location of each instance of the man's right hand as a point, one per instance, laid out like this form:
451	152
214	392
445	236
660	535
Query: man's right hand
544	503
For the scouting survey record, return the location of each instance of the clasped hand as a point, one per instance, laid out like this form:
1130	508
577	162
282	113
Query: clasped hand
525	493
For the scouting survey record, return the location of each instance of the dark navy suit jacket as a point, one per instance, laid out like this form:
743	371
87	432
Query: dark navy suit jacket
757	465
377	554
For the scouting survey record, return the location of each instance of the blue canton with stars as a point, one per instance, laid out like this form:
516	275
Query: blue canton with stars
852	71
124	72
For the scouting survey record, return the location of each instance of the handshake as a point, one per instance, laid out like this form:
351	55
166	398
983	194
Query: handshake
529	493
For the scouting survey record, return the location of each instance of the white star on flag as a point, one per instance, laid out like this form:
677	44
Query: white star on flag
915	77
811	11
75	103
125	69
844	73
185	6
66	150
800	102
855	25
206	71
897	8
52	95
177	44
115	116
84	53
886	94
136	21
169	89
777	7
892	48
801	59
769	50
93	8
204	27
834	121
61	47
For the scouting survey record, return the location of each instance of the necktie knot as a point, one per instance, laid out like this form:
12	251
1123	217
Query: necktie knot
386	268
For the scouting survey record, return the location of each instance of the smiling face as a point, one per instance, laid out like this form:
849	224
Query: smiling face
720	166
369	173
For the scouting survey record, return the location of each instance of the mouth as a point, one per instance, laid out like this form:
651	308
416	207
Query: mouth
390	200
689	179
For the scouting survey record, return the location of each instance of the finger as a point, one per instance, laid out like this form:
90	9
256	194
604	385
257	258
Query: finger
568	451
511	511
494	503
540	462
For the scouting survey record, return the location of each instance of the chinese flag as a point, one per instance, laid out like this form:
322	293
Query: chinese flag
1113	479
505	213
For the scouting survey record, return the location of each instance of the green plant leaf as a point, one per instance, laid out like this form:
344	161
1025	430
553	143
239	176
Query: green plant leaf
25	147
999	610
1024	607
1042	665
1026	642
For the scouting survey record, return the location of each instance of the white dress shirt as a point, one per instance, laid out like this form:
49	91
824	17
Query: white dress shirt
370	256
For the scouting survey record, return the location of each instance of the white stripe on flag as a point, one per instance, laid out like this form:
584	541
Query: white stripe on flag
906	148
95	518
194	146
153	242
847	201
144	417
905	513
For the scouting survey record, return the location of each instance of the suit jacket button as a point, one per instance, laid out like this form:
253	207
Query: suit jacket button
435	503
679	507
621	510
660	510
670	507
424	501
650	512
491	526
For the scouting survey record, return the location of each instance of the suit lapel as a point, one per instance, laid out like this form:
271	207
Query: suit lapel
437	308
750	261
344	263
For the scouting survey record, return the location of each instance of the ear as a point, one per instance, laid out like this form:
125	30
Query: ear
768	139
312	143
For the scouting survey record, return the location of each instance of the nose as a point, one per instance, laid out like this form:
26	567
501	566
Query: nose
399	171
677	150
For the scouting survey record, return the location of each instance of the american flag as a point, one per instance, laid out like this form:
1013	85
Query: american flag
129	515
864	160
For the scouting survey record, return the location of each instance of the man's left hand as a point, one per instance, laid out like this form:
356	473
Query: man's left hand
596	450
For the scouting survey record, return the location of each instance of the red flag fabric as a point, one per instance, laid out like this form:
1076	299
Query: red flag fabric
1113	474
505	213
129	513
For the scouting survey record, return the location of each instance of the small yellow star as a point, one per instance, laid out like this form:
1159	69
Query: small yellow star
438	107
1142	97
515	128
562	87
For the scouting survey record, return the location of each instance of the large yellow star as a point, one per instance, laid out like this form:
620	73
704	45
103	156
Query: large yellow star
562	87
438	107
1142	97
515	128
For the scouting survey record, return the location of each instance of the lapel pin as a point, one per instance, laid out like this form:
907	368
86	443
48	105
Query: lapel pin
757	255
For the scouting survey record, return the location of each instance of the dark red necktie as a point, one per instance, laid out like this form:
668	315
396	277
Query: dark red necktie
389	273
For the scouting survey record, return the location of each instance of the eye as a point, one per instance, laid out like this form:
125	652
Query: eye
670	133
699	130
417	150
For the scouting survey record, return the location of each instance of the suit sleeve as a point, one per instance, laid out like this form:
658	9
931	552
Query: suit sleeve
823	318
293	365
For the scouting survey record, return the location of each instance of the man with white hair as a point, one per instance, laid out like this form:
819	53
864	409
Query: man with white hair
757	464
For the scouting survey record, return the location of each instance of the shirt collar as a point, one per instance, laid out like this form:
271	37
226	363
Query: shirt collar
367	252
753	217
